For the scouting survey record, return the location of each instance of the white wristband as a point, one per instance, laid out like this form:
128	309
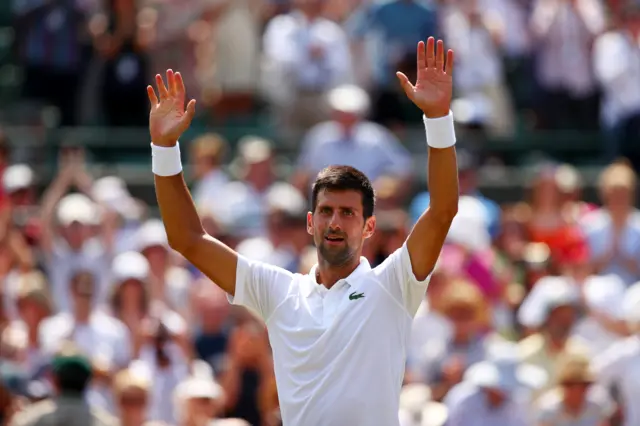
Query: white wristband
165	161
440	131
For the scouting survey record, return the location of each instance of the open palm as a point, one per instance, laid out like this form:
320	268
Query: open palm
168	118
433	88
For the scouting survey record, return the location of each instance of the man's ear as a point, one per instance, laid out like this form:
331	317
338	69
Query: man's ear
309	223
369	227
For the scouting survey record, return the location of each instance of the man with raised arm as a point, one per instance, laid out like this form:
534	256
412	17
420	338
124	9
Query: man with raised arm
339	335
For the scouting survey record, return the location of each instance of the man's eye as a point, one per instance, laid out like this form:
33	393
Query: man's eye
348	212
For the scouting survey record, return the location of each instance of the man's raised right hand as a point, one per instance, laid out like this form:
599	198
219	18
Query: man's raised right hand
168	118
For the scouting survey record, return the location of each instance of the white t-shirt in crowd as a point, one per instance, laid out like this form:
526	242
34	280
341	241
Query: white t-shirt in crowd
339	353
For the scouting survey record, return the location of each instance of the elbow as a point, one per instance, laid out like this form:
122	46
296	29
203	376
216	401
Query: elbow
445	214
182	242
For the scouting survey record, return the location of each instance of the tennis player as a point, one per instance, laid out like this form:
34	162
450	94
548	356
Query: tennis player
339	335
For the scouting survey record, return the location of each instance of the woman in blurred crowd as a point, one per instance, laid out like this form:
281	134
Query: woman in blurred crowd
548	221
575	401
613	231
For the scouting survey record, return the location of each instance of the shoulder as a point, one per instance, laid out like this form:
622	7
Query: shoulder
374	133
322	133
33	413
103	418
549	402
531	346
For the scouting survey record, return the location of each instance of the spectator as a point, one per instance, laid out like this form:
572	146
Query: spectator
575	401
564	33
71	376
616	61
305	56
131	393
343	139
384	37
613	230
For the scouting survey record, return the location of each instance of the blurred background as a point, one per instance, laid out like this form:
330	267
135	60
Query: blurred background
533	312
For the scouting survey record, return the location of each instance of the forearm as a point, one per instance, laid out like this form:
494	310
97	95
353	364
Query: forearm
178	211
442	175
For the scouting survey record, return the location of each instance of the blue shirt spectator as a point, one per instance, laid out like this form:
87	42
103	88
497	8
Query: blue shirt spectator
391	29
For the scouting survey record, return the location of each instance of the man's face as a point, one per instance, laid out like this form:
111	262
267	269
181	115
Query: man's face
561	321
338	226
76	234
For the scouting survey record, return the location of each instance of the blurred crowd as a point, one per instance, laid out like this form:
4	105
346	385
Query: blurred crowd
532	316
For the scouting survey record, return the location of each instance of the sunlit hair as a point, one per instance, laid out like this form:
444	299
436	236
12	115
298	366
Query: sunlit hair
345	178
618	174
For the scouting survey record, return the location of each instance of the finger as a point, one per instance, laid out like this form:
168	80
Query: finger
431	59
406	84
171	83
440	55
186	119
422	61
449	64
180	89
153	99
162	89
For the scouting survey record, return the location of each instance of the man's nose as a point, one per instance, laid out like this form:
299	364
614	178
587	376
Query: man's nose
336	222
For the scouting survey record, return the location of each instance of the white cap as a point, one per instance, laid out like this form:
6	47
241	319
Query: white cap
196	387
470	226
17	177
254	149
631	304
605	293
548	293
112	191
130	265
78	208
284	196
152	234
434	414
258	249
414	396
350	99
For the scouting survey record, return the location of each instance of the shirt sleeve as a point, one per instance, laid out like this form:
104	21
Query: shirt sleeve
610	365
396	276
260	287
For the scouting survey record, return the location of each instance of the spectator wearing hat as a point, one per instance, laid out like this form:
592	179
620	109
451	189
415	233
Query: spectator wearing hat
443	363
613	231
134	301
103	339
199	398
575	401
68	237
552	308
603	324
131	388
496	391
168	281
619	366
345	138
245	200
124	213
418	409
468	166
71	373
33	305
286	235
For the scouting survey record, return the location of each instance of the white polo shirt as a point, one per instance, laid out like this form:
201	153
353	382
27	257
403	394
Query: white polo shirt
339	353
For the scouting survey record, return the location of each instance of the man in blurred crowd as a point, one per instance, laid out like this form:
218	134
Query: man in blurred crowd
72	373
343	140
306	55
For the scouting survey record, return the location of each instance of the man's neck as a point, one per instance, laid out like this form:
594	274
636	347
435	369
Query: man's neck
81	316
328	275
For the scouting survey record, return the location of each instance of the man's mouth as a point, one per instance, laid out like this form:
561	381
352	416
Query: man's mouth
333	239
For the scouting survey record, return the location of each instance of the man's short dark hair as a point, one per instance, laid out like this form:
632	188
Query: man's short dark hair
345	178
71	369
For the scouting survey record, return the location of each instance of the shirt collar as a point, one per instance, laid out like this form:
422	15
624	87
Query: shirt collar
311	283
